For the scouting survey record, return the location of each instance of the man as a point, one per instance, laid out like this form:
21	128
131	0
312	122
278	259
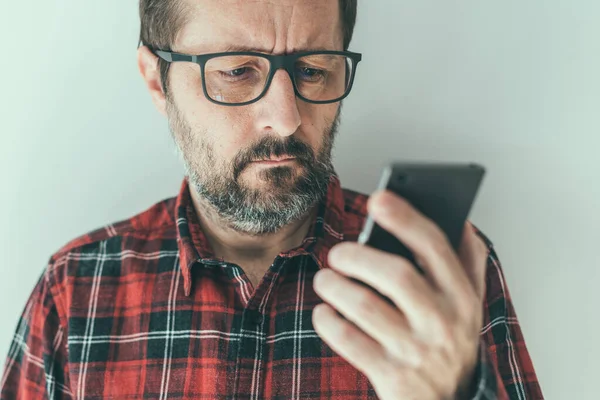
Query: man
236	288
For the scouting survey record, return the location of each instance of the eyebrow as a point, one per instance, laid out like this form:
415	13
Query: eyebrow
243	48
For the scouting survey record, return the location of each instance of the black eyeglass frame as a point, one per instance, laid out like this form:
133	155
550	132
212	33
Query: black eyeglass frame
276	62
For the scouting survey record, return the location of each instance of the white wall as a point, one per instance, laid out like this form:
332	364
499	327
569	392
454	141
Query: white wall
513	85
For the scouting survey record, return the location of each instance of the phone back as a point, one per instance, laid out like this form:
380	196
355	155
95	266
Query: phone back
442	192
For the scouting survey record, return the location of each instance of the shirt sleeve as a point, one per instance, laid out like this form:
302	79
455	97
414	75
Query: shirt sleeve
36	365
505	369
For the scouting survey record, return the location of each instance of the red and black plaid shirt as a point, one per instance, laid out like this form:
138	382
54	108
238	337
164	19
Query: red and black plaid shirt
143	309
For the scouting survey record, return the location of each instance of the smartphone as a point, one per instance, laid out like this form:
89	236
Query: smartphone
443	192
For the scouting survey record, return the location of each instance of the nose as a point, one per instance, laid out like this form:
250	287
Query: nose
278	109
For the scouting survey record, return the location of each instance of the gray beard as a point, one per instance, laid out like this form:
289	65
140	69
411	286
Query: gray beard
255	211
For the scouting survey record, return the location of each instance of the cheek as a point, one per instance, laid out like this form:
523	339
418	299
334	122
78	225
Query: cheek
185	81
231	130
316	121
223	128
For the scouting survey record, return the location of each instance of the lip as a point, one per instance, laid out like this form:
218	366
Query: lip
275	161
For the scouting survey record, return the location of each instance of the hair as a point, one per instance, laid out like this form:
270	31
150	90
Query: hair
161	21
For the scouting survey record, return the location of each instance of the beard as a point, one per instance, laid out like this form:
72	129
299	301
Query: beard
286	194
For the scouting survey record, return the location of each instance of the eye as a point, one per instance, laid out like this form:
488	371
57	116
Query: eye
241	74
308	73
235	72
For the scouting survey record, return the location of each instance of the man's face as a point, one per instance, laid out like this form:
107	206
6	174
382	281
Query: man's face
220	145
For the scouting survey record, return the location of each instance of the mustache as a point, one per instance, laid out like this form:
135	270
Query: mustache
268	147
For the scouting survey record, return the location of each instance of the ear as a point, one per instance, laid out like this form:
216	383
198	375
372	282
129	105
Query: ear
150	71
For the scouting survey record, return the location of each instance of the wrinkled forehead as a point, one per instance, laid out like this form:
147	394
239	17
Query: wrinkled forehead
275	26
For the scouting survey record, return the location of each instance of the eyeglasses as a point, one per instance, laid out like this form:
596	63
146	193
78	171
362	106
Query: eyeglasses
242	78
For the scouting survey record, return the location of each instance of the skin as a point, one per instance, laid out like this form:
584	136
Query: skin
279	28
423	348
425	345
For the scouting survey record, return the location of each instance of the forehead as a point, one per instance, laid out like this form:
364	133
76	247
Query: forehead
275	26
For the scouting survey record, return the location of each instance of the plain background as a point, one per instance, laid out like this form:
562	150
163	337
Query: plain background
514	85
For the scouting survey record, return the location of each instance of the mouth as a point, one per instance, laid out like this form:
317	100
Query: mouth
275	161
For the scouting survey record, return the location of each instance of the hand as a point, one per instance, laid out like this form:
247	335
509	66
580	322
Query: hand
425	345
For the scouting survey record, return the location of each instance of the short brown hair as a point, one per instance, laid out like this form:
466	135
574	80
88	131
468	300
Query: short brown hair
161	20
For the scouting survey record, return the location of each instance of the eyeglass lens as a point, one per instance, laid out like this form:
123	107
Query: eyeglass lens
242	78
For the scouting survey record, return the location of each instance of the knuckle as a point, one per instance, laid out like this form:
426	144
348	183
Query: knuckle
345	334
403	275
400	383
435	317
395	376
418	355
442	248
446	336
363	303
439	243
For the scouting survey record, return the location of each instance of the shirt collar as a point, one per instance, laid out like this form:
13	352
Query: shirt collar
326	231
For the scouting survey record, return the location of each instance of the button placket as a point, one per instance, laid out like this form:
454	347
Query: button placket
252	319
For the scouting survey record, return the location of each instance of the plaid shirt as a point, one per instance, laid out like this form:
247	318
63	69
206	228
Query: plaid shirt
143	309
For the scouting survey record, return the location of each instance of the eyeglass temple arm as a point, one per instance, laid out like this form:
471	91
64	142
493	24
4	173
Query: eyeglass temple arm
171	57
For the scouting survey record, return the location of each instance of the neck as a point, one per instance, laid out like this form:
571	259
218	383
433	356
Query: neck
239	247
